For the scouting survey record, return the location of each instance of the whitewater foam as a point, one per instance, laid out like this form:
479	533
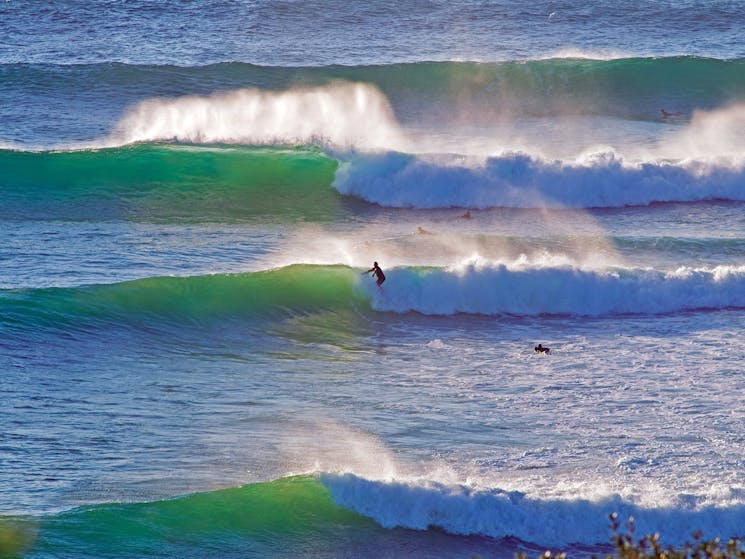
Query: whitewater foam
488	289
574	53
499	513
520	180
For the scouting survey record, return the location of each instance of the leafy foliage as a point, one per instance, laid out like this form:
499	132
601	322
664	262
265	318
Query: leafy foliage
649	546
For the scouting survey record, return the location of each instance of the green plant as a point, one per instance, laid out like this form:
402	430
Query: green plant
649	546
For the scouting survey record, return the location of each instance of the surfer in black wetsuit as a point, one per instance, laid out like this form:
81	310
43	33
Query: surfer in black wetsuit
378	273
668	114
540	349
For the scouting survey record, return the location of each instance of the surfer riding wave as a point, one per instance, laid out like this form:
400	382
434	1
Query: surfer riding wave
378	273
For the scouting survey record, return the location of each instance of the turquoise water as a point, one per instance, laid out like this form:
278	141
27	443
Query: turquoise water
195	363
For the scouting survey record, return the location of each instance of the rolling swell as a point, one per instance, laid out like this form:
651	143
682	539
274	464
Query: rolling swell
167	182
183	301
301	290
630	87
283	515
234	183
319	512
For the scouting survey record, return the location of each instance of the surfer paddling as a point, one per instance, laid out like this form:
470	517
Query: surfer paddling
540	349
669	114
378	273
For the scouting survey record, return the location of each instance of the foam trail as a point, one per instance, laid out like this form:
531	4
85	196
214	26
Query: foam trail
487	289
341	114
522	181
497	513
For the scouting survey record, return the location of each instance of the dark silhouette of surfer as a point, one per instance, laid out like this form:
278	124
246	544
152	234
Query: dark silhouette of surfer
668	114
378	273
540	349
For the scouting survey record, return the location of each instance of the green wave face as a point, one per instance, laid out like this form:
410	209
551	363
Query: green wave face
620	83
291	292
287	515
169	182
634	88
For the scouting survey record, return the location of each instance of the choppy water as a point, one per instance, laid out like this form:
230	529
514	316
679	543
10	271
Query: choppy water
193	363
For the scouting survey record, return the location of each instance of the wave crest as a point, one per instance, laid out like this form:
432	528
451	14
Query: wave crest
498	513
519	180
340	114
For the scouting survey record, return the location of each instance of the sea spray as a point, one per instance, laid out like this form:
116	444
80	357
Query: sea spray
341	114
447	92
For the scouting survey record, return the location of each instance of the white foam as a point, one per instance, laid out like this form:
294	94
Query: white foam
584	54
495	512
484	288
523	181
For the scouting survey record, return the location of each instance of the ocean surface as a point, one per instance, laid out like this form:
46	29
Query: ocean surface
194	363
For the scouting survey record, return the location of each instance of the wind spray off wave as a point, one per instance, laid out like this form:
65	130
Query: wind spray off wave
341	114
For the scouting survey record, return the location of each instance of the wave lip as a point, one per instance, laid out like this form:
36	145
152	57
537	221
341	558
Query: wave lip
500	514
522	181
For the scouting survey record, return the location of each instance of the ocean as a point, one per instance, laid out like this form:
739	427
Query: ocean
195	361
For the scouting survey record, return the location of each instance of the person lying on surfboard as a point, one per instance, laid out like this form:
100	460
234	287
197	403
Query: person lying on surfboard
378	273
668	114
